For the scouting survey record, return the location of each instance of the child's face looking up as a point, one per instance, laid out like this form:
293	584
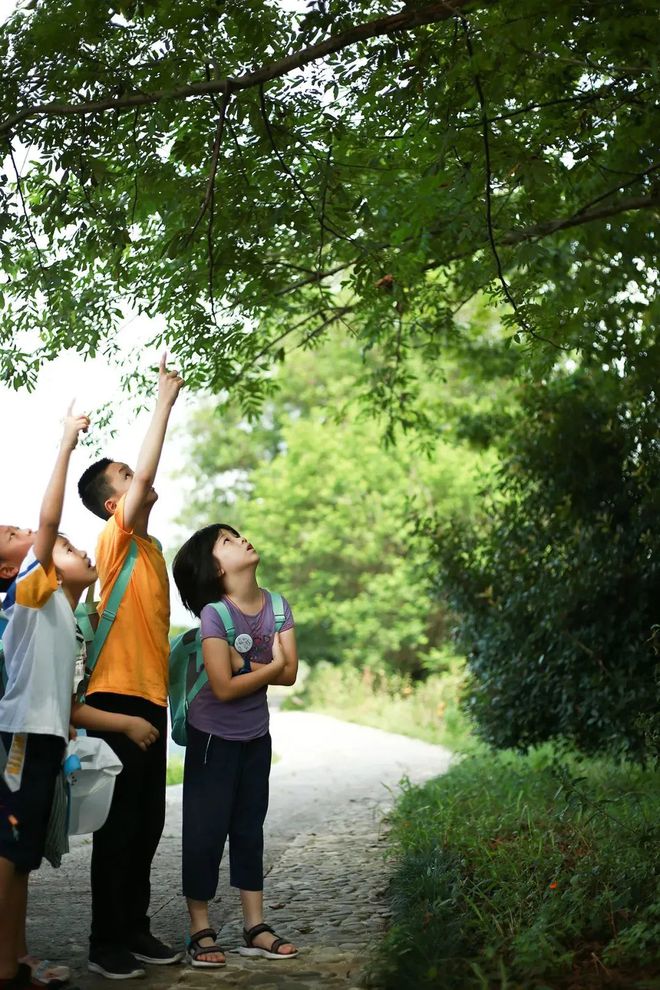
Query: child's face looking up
233	553
119	476
73	566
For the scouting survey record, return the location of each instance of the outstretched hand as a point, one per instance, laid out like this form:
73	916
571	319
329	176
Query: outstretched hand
73	426
169	383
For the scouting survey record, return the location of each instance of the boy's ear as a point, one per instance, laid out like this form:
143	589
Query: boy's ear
110	505
8	571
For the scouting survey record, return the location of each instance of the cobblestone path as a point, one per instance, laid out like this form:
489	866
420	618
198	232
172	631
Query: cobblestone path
326	871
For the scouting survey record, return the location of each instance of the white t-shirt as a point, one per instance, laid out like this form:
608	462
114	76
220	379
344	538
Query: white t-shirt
40	653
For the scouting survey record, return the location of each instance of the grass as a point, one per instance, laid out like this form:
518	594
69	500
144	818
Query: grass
174	771
523	873
427	709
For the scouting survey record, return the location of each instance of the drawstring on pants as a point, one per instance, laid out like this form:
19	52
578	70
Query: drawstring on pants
206	751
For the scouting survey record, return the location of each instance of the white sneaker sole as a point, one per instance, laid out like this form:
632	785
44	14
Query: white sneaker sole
177	957
134	974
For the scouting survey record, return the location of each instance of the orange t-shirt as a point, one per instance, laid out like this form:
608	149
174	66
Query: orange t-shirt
134	658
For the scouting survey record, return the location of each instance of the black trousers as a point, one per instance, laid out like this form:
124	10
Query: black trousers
124	847
225	793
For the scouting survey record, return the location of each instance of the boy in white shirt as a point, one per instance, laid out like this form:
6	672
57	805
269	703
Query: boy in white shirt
40	647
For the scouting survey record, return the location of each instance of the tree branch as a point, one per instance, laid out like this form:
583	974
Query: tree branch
578	101
329	227
485	130
324	196
535	232
26	216
547	227
336	314
405	20
215	157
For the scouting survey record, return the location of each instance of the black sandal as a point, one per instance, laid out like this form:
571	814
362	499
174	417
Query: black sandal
194	950
272	953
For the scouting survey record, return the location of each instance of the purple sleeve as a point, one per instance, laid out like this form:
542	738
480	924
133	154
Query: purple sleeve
211	625
288	616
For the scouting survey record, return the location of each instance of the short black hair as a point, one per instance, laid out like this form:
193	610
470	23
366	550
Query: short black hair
194	569
94	488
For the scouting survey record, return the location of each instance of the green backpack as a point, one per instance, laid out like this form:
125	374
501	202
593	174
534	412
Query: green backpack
187	672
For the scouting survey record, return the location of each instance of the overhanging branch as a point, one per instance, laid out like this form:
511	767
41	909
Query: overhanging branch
405	20
547	227
534	232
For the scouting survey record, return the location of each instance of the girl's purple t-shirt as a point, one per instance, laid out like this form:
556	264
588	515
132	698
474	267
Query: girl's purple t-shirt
243	718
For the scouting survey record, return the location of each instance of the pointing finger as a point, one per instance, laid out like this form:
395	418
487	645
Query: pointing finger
163	362
69	411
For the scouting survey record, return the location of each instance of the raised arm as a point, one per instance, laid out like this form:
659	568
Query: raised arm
169	386
218	667
53	500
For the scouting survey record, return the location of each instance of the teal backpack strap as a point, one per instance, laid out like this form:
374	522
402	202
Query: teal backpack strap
277	602
202	678
227	621
230	629
110	610
82	612
84	624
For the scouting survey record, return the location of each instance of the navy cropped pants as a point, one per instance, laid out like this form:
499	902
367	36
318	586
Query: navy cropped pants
225	795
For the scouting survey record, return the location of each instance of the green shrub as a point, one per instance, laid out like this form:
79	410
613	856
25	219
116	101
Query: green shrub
524	873
557	588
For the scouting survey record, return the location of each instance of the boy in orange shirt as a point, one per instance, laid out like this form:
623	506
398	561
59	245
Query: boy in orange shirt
131	678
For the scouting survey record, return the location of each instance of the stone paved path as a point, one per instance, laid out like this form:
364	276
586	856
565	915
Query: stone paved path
326	870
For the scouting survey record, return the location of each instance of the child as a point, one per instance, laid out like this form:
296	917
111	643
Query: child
75	573
40	651
227	765
130	678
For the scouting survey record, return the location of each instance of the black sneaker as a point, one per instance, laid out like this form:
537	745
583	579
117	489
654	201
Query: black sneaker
114	963
149	949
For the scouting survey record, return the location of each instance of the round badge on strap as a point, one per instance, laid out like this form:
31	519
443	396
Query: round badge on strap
243	643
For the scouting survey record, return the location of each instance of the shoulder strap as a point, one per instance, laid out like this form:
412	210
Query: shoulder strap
84	624
110	610
202	678
83	611
277	602
227	621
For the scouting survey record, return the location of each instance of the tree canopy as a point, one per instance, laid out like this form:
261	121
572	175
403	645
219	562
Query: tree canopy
333	512
255	174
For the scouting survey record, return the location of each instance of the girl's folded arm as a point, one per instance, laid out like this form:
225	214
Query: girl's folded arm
287	644
217	660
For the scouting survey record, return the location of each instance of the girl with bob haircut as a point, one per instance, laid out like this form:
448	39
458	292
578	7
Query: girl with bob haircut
228	755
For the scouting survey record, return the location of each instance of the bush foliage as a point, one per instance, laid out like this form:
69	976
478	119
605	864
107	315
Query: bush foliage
558	584
525	874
